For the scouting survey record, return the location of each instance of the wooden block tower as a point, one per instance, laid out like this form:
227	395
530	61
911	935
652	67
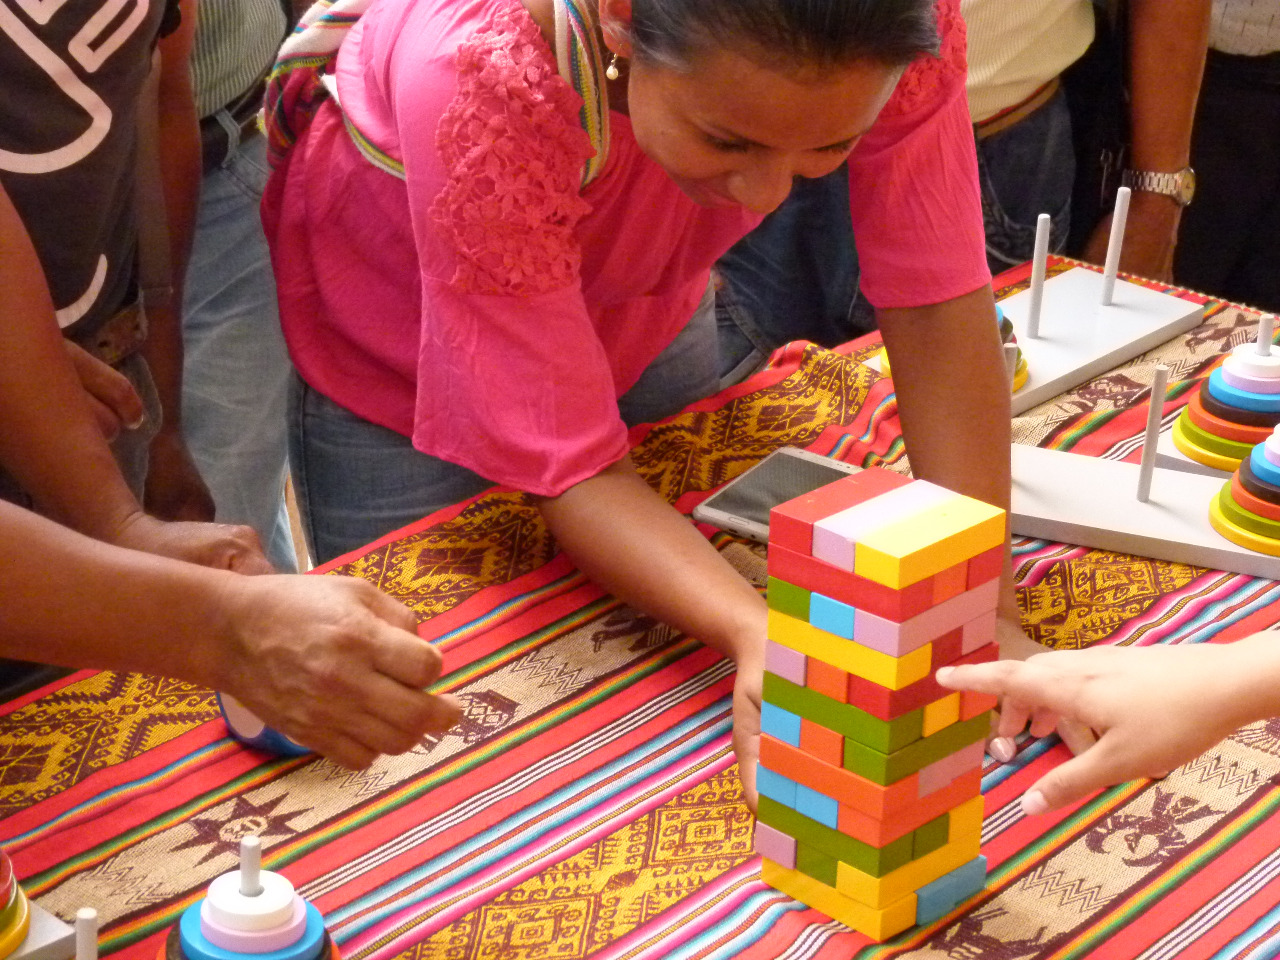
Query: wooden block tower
870	773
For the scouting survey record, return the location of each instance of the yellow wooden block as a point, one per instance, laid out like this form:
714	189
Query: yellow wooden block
902	553
964	842
892	672
941	713
877	924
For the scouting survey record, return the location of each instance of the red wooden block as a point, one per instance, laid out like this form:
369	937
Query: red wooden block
791	523
821	742
876	800
946	648
950	582
973	703
890	704
825	679
910	816
985	566
818	577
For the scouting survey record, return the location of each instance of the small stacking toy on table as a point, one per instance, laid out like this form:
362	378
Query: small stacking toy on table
1237	407
29	933
1017	362
870	773
1247	509
244	725
250	914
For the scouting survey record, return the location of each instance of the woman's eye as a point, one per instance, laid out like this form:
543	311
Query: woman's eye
728	146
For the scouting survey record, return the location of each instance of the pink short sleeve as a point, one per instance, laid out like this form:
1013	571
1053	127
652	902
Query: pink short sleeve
913	185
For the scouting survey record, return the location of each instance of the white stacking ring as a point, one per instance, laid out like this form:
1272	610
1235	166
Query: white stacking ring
1246	360
229	908
255	941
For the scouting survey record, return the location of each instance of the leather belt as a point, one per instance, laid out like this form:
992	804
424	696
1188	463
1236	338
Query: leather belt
1018	112
122	335
215	138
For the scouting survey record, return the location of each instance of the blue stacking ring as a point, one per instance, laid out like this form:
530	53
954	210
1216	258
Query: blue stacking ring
268	739
1263	468
1244	399
197	947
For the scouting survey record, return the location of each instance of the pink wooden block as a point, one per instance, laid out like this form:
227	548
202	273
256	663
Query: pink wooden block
899	639
834	536
775	845
256	941
941	772
784	662
1234	377
978	632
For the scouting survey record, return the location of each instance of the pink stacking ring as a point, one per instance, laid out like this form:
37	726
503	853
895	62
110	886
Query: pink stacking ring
1271	448
255	941
1235	377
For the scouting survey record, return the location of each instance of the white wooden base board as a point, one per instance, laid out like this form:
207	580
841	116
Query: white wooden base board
48	938
1080	339
1093	503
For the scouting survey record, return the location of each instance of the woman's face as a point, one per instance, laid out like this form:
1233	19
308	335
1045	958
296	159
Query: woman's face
731	132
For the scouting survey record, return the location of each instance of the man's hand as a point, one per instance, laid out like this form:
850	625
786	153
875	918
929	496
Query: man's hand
175	489
333	663
218	545
110	396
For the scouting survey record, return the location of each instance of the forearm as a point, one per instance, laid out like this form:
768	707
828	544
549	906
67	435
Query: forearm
631	542
1167	44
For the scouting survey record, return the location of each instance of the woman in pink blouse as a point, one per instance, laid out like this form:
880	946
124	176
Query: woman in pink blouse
463	311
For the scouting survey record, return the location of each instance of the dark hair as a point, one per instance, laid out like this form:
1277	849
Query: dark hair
808	33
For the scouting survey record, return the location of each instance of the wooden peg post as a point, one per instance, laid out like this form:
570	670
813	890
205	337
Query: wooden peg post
1118	220
1154	414
250	866
1039	264
86	934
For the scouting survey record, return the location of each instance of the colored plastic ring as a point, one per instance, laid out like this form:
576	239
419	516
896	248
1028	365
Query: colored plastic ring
194	945
1240	536
1245	519
1251	503
172	947
11	936
1245	399
226	906
1227	429
8	882
1262	468
256	941
1020	376
10	908
1226	411
1260	488
1247	360
1212	442
244	726
1233	376
1198	454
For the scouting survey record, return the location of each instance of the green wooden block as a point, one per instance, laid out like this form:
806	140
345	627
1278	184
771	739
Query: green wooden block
884	736
814	863
876	861
886	768
932	836
787	598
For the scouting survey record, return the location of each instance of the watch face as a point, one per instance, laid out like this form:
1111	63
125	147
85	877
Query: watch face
1186	185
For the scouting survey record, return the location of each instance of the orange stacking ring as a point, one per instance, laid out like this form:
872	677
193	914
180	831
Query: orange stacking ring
1225	429
1252	503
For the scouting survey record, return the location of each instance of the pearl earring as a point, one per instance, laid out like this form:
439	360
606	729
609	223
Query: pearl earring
611	71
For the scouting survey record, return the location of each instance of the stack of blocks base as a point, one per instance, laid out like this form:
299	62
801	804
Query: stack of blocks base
870	772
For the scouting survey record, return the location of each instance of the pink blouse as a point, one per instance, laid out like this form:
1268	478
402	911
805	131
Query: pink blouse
493	311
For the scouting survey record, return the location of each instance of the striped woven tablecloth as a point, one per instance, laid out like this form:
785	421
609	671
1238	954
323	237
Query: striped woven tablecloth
588	804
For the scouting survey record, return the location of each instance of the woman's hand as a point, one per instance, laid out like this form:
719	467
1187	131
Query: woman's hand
218	545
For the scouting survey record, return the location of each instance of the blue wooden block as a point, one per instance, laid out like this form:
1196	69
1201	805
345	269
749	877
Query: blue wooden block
776	787
831	615
1244	399
1263	468
935	900
779	723
970	878
817	806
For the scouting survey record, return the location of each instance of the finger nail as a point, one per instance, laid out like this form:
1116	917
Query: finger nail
944	673
1003	749
1034	803
137	423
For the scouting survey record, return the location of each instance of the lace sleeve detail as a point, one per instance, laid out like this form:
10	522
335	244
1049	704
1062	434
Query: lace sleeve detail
921	81
513	151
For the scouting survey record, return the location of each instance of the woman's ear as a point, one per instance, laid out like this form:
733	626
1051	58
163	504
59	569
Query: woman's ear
615	24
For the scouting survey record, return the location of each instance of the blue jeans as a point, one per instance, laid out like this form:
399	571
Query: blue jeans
357	481
236	371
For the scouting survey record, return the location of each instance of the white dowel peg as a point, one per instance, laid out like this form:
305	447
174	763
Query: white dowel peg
86	934
1039	264
1266	328
250	866
1155	412
1118	219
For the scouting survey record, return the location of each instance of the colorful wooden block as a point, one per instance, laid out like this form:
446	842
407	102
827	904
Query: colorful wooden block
942	773
935	900
985	566
897	639
770	783
879	925
787	597
850	656
951	582
913	816
931	836
785	662
869	860
940	713
821	677
833	616
879	801
780	723
791	523
888	768
938	537
887	704
775	845
835	537
884	735
819	577
979	632
879	892
973	703
821	743
812	862
816	806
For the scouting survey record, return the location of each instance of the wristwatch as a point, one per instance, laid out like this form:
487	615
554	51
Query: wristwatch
1180	186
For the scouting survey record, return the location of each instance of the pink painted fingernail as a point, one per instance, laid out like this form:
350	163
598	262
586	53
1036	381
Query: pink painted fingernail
1034	803
1003	749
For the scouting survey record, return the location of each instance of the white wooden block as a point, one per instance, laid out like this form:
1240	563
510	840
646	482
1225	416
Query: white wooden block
48	938
1090	502
1080	339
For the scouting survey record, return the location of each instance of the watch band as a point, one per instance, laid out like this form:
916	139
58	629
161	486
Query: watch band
1179	186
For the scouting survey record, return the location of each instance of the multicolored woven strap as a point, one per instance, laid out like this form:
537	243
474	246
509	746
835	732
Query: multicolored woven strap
300	80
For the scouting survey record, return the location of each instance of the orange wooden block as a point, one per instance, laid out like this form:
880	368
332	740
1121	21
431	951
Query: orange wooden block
973	703
950	582
843	786
821	742
823	678
880	833
986	566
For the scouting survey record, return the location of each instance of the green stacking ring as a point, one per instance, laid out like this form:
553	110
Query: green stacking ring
1245	518
1235	449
